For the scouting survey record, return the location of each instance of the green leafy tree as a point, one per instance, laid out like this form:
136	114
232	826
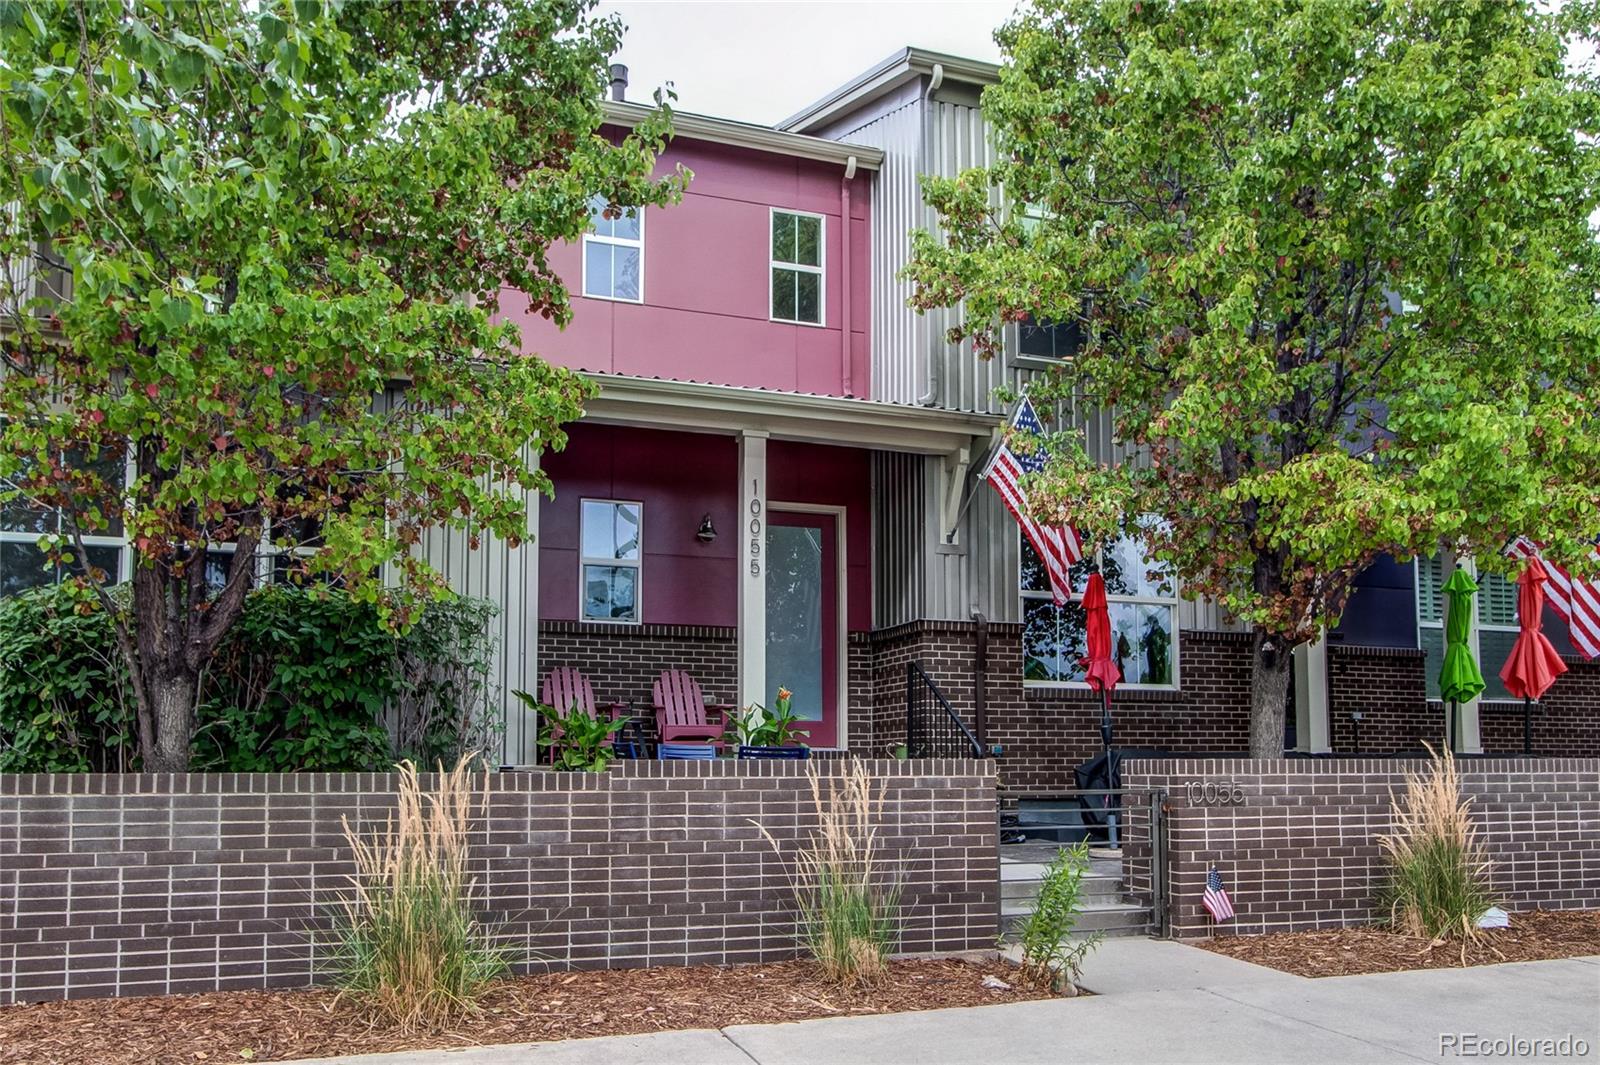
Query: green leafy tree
286	227
1334	265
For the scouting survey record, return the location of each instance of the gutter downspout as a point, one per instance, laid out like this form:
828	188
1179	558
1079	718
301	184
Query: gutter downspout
923	159
980	675
844	274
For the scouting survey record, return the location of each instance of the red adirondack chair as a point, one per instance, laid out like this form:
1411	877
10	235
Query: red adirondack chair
682	714
566	687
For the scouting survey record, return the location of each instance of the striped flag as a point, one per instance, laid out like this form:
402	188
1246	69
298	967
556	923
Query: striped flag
1577	602
1058	546
1216	897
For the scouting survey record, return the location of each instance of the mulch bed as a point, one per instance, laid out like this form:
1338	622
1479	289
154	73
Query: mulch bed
1537	935
237	1026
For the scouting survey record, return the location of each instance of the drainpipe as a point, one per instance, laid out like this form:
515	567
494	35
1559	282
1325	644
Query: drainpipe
924	159
980	673
844	273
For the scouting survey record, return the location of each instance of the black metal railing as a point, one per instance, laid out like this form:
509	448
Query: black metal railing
933	728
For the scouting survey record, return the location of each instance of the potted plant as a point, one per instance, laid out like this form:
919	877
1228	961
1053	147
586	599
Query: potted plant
763	733
578	740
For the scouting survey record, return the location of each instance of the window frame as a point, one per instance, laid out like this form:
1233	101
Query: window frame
1025	594
1479	627
591	237
121	542
821	269
584	561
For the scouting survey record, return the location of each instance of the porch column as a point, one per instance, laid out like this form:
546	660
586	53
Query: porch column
1312	729
752	634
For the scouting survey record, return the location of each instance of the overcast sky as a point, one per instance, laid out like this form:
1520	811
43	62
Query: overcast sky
763	60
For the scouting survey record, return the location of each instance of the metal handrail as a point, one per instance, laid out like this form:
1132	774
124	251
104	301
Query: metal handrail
933	728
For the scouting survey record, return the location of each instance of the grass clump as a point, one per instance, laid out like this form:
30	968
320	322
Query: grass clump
1438	883
1049	956
409	945
848	904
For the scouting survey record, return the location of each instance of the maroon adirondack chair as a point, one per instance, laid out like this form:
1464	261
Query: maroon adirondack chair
566	687
682	714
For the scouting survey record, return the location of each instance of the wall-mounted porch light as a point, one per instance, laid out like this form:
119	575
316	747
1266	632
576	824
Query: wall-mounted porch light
708	531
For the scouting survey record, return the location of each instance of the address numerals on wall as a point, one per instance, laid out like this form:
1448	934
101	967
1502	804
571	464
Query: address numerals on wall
1214	792
755	529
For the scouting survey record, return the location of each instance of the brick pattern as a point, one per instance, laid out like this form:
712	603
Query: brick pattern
1302	850
1046	732
156	884
1388	686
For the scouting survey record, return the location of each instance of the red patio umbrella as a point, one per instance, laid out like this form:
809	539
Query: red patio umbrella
1533	664
1100	672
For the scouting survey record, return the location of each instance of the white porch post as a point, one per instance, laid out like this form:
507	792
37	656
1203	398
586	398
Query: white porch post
1312	728
752	567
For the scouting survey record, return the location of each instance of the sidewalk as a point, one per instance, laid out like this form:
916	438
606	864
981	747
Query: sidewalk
1156	1002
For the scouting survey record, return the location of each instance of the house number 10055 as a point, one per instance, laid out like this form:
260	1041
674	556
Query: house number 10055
755	530
1214	792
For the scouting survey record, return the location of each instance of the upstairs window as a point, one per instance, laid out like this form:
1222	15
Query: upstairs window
796	267
1142	600
1041	340
613	253
610	538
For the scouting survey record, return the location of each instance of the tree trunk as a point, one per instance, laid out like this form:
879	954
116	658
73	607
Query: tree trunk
173	697
1269	695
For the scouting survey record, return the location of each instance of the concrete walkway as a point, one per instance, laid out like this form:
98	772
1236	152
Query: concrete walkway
1156	1002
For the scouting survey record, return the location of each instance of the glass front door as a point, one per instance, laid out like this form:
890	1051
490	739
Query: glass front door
803	619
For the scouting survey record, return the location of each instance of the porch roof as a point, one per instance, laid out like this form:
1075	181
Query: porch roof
706	408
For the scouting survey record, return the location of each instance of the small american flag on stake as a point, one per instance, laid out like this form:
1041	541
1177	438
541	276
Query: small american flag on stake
1216	899
1058	546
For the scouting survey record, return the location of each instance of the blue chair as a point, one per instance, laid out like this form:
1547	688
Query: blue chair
694	752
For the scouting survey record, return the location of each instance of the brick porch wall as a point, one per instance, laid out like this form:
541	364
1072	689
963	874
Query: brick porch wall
1301	851
168	883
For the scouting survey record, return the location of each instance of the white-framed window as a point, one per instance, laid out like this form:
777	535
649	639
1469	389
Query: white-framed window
1142	599
610	551
23	565
797	272
1496	623
613	253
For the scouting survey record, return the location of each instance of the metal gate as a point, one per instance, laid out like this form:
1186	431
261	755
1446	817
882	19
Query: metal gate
1124	825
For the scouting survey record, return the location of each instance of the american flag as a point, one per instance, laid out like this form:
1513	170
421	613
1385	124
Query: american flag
1577	602
1058	546
1216	897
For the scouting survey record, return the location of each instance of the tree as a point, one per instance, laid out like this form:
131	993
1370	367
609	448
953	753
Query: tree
286	227
1335	270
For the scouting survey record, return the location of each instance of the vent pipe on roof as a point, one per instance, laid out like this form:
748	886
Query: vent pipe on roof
619	81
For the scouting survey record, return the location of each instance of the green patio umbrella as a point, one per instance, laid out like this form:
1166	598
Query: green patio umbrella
1459	676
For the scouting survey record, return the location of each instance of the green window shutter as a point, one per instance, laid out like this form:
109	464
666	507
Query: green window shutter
1430	579
1497	600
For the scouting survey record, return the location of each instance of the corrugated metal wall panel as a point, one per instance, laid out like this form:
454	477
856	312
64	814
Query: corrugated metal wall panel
898	375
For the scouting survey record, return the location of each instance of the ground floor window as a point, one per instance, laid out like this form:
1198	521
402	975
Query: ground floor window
610	538
1496	623
1143	603
24	565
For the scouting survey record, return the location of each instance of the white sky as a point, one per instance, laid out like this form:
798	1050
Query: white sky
763	60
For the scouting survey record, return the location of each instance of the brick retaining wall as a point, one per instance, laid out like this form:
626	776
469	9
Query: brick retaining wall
1302	850
151	884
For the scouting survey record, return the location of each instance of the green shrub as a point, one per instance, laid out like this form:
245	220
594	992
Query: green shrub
407	944
65	704
579	741
1438	884
1049	955
308	679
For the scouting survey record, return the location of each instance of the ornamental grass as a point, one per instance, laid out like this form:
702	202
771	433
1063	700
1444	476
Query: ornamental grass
1439	884
409	946
848	903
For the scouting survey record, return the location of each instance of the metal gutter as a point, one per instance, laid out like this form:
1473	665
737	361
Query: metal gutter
893	72
748	135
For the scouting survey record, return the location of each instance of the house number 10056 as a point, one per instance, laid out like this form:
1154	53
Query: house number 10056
1214	792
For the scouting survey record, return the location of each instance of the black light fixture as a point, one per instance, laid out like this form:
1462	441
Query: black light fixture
708	531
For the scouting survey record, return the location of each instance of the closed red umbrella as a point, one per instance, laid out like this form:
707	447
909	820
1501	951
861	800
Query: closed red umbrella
1100	671
1533	664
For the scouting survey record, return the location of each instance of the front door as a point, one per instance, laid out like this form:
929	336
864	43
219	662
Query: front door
803	619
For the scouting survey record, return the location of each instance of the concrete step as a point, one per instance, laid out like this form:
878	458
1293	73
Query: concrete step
1024	884
1107	918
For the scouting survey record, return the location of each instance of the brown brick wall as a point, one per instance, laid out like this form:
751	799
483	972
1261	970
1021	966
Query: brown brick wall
1566	722
154	884
1302	851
